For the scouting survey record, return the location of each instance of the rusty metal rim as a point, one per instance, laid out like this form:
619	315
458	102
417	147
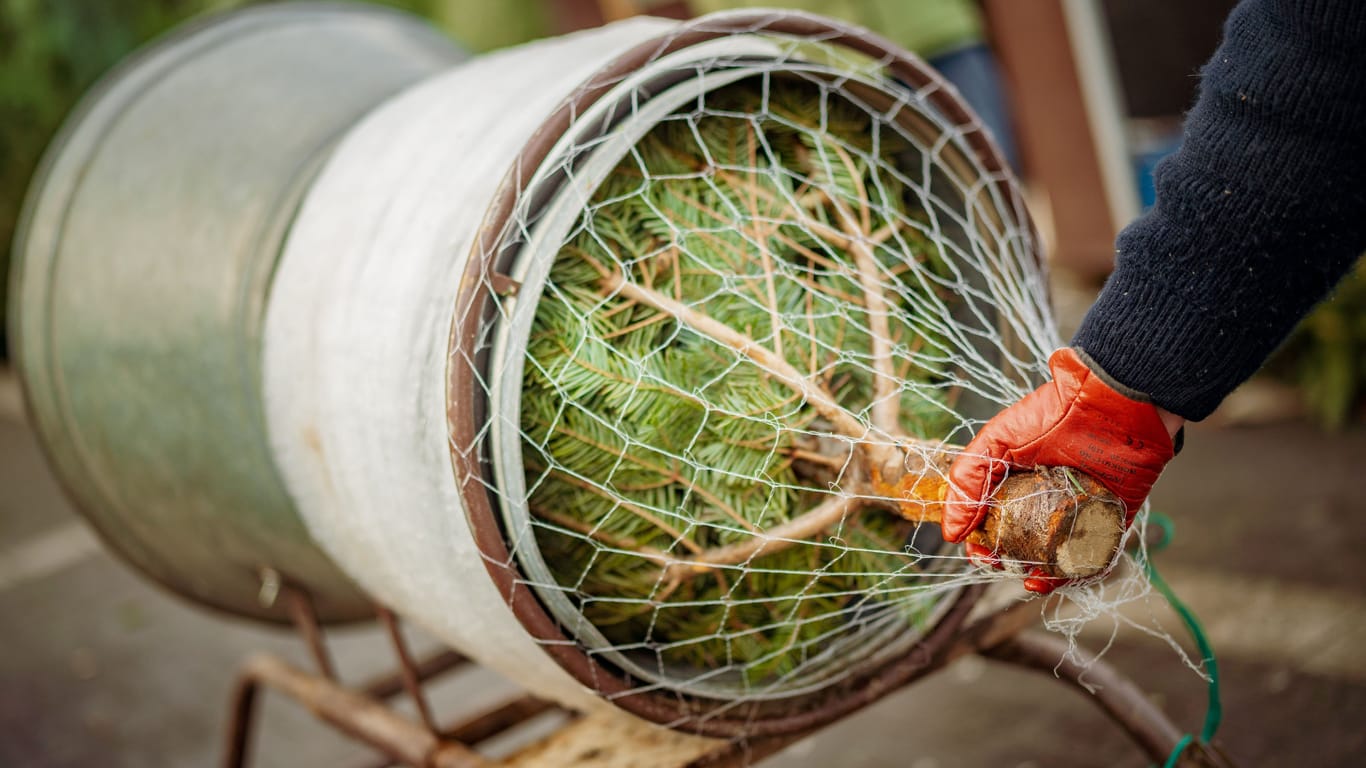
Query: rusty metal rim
529	267
465	420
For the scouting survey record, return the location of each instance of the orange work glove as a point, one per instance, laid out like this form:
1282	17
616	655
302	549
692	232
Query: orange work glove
1076	420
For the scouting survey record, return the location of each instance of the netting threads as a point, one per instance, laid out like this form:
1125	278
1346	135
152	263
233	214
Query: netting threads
733	301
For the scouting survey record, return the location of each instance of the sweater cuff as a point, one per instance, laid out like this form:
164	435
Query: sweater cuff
1160	346
1111	381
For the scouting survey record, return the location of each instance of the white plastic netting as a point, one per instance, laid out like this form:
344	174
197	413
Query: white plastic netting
754	316
643	383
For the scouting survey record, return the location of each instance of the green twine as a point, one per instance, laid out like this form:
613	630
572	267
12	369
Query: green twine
1214	709
1177	750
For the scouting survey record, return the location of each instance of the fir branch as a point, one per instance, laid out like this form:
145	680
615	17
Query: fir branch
796	531
763	211
635	509
843	421
761	241
886	412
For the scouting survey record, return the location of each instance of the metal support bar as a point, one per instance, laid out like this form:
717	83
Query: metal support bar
360	713
499	719
357	715
391	684
1116	695
989	631
982	634
412	683
490	723
241	717
304	616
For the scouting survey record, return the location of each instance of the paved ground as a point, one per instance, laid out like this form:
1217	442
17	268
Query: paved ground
98	668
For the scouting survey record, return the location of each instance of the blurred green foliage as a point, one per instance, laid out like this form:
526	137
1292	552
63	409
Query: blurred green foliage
52	51
1325	357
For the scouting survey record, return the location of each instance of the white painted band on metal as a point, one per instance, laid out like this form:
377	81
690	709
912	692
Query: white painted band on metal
357	332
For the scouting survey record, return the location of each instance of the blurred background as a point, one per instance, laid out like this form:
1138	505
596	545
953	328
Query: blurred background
1085	97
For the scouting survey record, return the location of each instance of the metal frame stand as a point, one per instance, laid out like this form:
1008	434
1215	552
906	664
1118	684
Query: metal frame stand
360	712
602	740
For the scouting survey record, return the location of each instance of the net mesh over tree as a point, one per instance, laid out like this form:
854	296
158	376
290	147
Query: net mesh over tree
758	306
753	309
747	238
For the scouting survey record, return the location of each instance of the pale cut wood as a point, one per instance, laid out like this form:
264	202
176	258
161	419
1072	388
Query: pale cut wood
1060	521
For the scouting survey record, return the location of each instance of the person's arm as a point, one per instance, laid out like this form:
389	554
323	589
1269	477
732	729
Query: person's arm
1258	215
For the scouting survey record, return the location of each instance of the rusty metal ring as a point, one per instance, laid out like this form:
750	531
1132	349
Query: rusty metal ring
467	410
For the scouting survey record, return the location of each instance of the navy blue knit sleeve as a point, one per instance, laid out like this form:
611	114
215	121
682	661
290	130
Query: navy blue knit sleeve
1258	215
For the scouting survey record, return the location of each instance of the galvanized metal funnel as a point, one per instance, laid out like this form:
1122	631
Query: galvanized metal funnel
144	261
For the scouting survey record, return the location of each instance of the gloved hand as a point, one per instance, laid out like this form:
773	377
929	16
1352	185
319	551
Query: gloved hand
1076	420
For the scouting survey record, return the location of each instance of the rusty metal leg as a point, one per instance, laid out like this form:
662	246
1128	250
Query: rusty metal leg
410	676
241	714
358	716
484	726
503	717
391	684
988	631
305	618
1117	695
242	705
407	670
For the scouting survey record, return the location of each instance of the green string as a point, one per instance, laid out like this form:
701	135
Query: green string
1214	710
1177	750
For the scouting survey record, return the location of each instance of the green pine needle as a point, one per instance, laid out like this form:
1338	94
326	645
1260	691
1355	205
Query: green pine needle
642	435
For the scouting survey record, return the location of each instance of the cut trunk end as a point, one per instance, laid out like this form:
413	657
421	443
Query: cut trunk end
1051	521
1060	521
